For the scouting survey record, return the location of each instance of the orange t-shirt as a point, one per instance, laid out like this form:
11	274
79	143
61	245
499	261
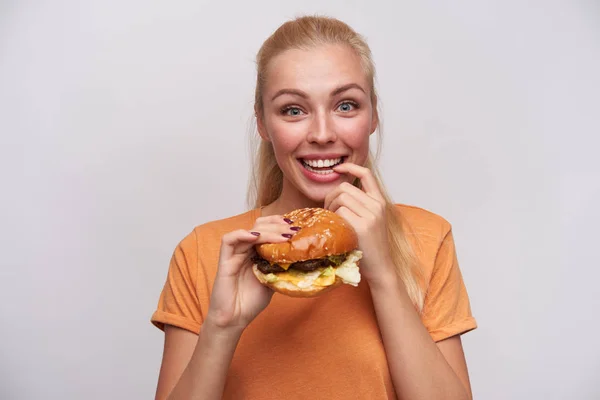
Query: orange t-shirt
327	347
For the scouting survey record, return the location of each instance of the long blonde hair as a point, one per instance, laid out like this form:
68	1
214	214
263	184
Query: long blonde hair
266	180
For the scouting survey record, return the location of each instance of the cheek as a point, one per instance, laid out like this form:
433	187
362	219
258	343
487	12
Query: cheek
285	137
355	133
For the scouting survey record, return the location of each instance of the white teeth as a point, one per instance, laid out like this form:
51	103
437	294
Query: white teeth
311	165
322	163
319	171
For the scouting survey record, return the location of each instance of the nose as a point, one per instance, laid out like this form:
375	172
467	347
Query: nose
321	130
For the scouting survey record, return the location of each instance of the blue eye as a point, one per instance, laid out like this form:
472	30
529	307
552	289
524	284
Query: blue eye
292	111
347	106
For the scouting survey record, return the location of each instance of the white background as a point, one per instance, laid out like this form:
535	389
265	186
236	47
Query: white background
124	124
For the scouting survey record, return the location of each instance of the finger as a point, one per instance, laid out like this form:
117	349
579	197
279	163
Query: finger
273	219
341	188
272	237
236	241
348	215
332	195
349	201
276	223
262	238
367	179
367	201
360	195
239	243
276	228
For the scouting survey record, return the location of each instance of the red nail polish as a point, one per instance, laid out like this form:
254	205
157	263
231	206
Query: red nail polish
286	235
289	221
255	233
295	228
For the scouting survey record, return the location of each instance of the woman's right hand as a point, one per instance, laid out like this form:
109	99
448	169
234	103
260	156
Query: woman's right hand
237	296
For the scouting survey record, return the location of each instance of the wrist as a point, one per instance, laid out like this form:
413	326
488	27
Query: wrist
386	284
384	277
221	333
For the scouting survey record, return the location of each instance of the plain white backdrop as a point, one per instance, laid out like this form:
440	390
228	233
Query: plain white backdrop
124	124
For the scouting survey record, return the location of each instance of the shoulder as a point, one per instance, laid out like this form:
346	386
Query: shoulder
424	220
425	229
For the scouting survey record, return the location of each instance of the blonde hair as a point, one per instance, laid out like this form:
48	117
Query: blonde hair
266	181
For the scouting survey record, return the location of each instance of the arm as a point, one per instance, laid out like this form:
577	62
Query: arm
420	369
196	366
207	357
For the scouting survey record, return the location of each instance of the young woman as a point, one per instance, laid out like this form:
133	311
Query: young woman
396	335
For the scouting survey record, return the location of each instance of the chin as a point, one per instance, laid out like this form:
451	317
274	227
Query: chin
317	193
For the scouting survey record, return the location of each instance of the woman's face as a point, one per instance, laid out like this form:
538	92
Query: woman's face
317	113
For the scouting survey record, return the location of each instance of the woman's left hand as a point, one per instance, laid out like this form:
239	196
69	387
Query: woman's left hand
366	212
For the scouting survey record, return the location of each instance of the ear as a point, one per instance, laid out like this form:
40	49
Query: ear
375	117
260	124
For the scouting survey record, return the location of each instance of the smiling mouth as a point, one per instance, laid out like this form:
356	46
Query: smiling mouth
321	167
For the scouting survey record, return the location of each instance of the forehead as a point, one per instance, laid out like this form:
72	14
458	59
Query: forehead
317	69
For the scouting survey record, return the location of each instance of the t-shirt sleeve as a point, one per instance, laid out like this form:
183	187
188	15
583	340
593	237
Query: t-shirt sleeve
178	303
447	309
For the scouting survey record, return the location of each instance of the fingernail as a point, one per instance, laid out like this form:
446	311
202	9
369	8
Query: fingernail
255	233
295	228
287	235
289	221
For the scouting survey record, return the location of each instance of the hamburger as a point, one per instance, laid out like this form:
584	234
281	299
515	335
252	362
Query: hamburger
322	255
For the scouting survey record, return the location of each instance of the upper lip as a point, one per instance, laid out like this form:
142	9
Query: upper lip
328	156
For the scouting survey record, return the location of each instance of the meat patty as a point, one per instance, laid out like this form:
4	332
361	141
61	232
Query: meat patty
265	267
310	265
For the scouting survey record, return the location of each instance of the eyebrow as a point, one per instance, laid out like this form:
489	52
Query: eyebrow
349	86
300	93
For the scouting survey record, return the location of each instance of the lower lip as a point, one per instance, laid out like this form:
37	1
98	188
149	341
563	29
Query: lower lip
320	178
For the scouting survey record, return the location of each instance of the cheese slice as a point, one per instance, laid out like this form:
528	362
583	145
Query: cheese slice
306	279
285	266
282	265
293	278
325	280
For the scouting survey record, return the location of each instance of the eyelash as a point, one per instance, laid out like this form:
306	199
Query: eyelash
352	103
285	110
